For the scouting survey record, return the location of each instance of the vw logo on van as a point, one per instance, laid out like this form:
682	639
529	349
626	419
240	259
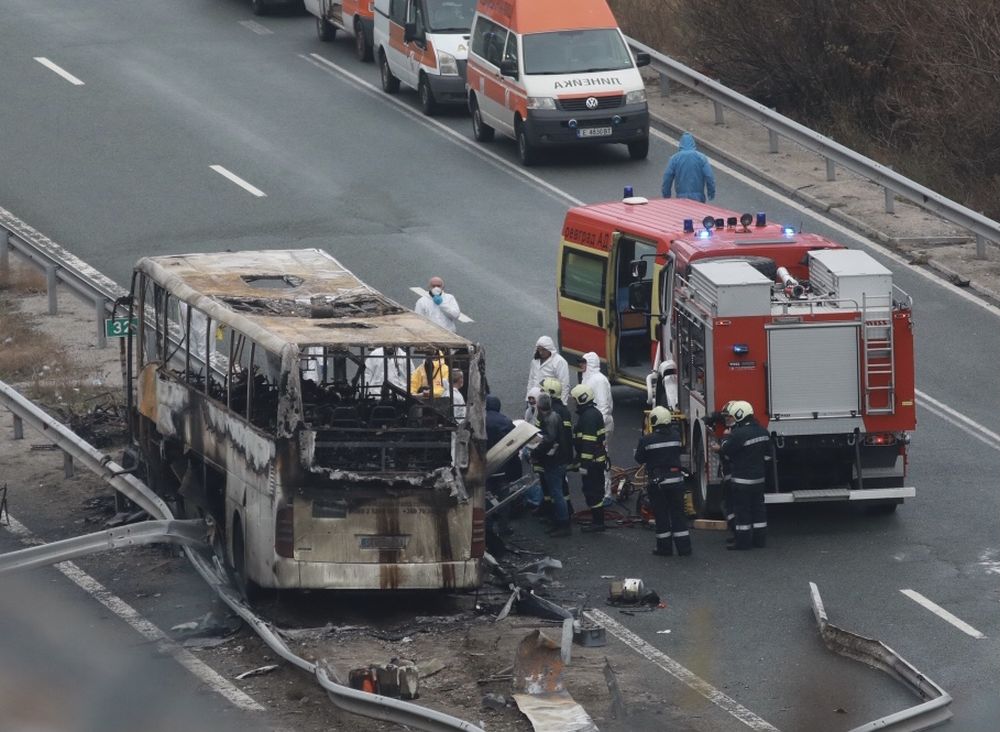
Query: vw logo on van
592	102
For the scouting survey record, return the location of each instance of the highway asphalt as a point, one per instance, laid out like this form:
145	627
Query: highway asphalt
118	167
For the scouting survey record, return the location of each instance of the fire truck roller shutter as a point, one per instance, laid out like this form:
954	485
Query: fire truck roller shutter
813	371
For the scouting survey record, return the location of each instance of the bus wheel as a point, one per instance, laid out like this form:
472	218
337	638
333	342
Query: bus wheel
527	152
362	46
238	560
390	84
639	150
427	103
480	130
325	31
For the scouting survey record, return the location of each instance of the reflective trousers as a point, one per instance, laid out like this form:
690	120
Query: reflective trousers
751	517
667	498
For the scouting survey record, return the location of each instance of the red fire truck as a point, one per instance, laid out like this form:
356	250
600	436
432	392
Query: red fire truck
700	305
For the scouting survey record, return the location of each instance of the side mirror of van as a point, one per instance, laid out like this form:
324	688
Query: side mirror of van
642	58
410	33
508	67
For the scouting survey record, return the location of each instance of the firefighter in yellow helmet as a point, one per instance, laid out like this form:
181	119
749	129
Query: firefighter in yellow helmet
554	388
748	449
660	452
591	453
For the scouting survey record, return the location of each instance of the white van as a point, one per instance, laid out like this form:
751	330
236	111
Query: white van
424	44
557	72
355	17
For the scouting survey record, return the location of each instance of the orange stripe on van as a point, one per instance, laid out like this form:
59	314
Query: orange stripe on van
425	56
539	16
361	8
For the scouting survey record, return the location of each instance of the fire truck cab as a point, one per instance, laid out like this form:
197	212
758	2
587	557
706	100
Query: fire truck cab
699	305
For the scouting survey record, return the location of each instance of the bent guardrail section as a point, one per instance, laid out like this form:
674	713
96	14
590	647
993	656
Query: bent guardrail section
878	655
348	699
985	229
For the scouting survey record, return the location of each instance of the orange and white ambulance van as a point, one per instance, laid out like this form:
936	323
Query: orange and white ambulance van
356	17
424	44
557	72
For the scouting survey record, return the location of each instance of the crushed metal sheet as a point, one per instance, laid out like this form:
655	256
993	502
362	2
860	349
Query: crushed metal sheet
555	712
259	671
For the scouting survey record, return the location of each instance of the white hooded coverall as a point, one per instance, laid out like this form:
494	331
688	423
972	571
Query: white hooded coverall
554	366
446	314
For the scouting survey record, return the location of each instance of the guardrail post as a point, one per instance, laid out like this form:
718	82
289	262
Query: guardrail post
831	170
890	201
102	313
4	251
719	119
980	247
18	428
772	141
664	85
51	282
67	465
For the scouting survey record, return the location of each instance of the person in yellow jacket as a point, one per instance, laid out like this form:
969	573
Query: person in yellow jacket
431	378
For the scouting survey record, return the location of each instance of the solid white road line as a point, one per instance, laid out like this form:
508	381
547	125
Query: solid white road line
679	672
942	613
59	70
420	292
144	627
238	181
253	25
955	418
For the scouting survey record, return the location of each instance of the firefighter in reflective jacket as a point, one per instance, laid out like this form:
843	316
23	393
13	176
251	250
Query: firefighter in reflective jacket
748	448
591	453
660	452
553	387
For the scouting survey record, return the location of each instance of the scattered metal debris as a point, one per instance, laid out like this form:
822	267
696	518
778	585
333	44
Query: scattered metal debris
259	671
632	591
930	713
618	710
496	702
538	688
431	667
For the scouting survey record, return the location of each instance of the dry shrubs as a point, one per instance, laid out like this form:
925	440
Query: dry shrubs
913	83
26	354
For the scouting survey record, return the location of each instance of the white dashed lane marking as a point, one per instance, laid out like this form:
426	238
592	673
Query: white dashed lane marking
238	181
253	25
943	614
59	70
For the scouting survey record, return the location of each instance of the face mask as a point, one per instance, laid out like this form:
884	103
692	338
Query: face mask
436	290
538	356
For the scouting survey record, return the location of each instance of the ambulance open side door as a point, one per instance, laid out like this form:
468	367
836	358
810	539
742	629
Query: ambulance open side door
586	303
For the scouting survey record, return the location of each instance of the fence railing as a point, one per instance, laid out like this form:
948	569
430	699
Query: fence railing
983	228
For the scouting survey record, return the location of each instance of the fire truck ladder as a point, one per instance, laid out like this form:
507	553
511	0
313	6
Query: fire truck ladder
878	355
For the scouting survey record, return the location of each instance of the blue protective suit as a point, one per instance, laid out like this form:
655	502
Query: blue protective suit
689	172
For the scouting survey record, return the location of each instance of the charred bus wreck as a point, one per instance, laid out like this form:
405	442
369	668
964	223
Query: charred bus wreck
312	417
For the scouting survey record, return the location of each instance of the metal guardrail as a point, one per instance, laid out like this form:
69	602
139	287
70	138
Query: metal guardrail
930	713
60	266
894	184
184	532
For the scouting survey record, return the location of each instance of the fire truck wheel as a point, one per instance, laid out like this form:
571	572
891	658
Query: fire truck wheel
362	43
883	508
639	150
390	84
427	103
699	475
325	31
527	152
480	130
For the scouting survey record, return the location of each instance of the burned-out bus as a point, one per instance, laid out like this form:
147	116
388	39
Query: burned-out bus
312	417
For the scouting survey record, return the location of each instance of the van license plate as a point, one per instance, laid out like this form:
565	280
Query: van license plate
594	132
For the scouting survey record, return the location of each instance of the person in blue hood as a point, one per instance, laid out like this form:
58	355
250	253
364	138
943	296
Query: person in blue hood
689	172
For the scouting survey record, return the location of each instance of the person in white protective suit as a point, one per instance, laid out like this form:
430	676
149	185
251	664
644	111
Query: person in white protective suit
591	376
438	306
381	368
548	363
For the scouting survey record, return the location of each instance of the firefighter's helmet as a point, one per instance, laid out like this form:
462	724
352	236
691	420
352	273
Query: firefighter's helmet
552	386
658	416
582	394
739	410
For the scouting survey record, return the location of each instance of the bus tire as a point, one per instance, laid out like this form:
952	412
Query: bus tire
639	150
362	44
480	130
324	30
427	103
527	152
238	561
390	84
